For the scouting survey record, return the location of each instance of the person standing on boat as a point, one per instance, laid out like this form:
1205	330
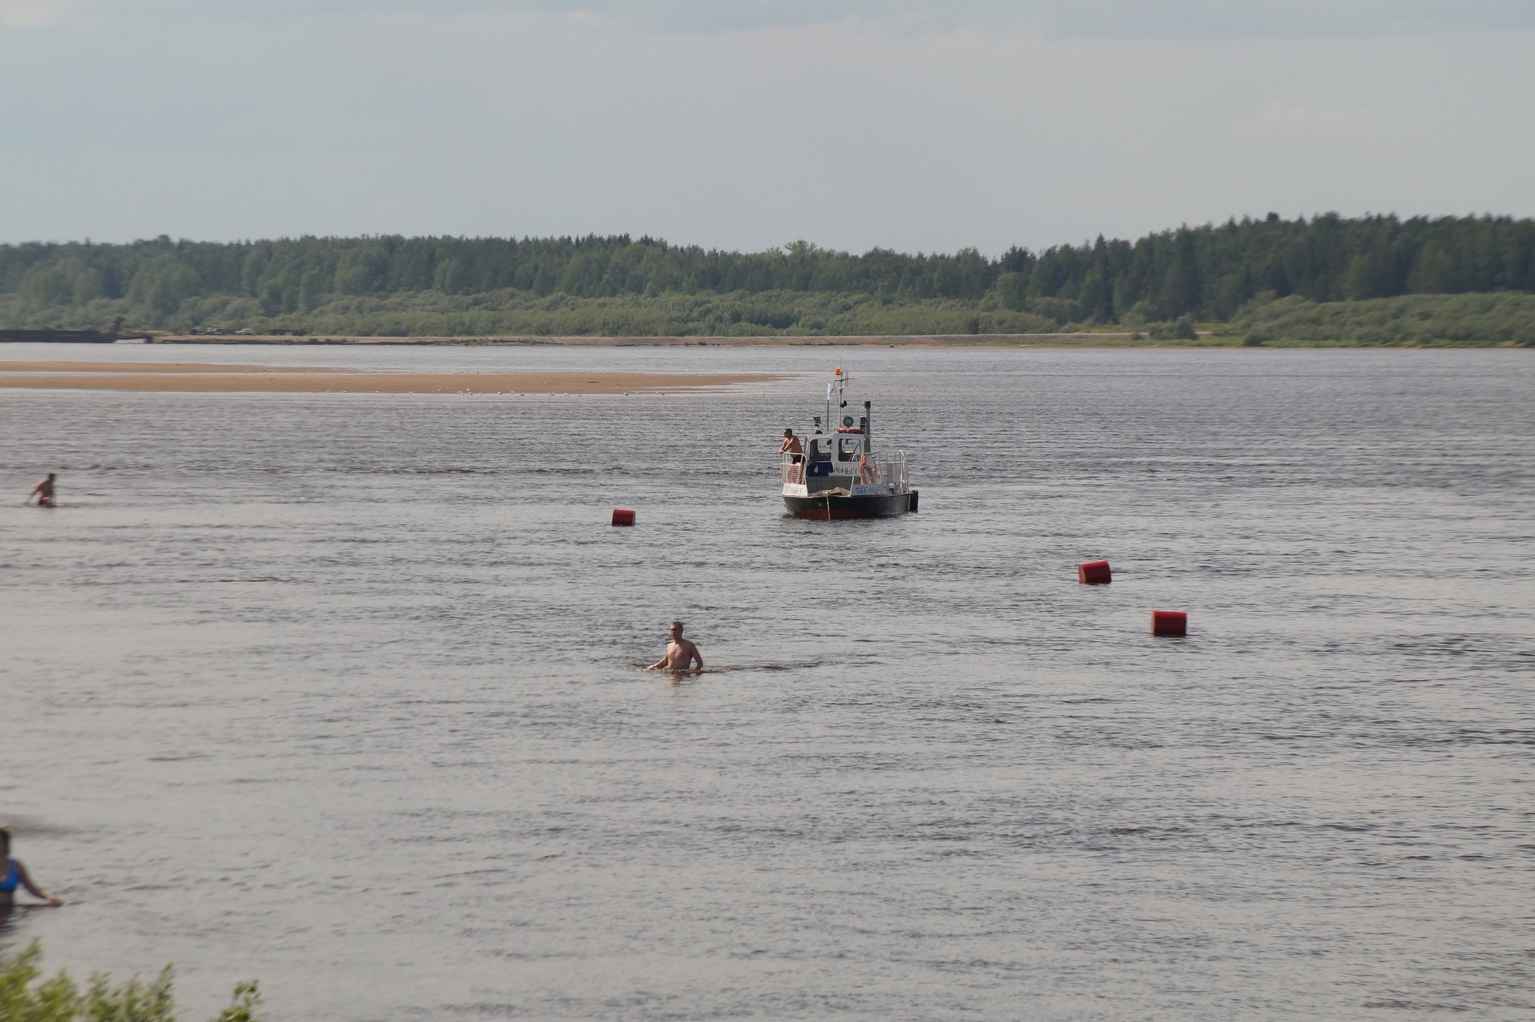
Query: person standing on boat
43	491
796	452
13	874
680	653
866	470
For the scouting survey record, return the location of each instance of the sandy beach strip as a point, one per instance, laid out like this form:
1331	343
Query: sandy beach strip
209	378
1075	339
66	366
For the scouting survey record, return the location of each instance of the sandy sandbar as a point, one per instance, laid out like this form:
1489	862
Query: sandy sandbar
1078	339
210	378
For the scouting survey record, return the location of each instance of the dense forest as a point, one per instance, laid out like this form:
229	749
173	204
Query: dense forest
620	285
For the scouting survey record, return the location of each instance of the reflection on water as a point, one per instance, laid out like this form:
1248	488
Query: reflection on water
342	687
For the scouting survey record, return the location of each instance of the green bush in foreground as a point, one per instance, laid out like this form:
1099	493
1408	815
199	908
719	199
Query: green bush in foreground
24	999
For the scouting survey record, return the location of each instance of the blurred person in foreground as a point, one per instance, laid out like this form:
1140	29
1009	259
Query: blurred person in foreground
13	874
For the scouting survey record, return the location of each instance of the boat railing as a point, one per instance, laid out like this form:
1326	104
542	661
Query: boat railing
893	471
889	470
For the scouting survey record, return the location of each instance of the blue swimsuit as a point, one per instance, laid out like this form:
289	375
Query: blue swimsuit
12	876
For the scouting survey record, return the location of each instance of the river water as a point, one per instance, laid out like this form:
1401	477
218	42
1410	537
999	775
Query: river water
341	692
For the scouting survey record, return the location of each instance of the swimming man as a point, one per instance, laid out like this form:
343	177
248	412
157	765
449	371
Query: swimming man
680	653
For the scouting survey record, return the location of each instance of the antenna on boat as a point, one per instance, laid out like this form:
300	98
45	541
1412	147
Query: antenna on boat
838	380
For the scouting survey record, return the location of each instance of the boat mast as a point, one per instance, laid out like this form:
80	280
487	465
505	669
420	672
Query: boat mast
868	430
840	381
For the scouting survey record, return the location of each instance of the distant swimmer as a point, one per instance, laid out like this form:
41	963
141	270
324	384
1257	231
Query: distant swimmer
680	653
43	491
14	874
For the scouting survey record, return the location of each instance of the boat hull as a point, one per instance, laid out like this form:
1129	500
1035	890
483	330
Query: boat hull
836	508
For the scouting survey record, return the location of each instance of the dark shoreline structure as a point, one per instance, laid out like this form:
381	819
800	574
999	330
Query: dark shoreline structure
56	337
40	335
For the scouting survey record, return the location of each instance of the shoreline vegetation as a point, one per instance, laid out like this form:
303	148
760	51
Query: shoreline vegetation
26	997
1206	336
1327	280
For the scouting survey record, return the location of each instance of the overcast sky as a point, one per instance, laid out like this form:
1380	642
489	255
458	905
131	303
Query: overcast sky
745	124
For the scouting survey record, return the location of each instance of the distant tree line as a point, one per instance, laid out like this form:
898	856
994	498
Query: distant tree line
1206	273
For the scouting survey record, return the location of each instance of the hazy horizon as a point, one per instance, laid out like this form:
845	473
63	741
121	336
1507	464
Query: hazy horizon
745	125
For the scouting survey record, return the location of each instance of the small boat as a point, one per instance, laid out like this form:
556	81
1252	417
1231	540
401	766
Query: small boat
838	474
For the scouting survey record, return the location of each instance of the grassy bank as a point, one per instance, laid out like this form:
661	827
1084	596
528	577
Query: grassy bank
514	313
1505	318
796	317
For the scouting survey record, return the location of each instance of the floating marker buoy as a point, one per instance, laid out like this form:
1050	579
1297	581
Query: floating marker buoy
1094	573
623	516
1169	622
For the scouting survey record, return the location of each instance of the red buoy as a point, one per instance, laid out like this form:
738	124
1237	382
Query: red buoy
1169	622
623	516
1094	573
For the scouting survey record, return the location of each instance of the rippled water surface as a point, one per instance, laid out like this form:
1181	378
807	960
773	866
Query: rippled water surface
341	692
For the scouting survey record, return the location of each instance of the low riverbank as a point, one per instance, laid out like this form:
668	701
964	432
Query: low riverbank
211	378
899	340
1084	339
